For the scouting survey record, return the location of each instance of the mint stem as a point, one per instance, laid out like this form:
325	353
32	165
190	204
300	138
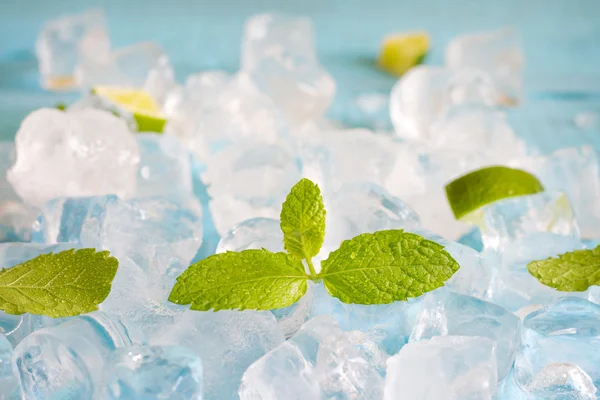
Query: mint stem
311	267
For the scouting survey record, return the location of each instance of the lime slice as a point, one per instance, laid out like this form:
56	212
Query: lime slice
401	52
487	185
139	103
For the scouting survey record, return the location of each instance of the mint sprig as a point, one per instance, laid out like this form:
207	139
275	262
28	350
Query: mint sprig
63	284
370	269
574	271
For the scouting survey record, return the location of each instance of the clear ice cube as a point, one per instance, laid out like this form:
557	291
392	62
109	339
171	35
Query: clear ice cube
497	52
559	351
66	41
154	372
371	208
165	167
424	93
254	233
319	361
444	313
391	323
8	380
278	52
508	220
249	180
141	65
228	342
66	361
513	287
68	154
575	171
444	367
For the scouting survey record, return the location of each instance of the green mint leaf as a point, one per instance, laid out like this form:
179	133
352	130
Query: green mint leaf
303	220
250	279
386	266
63	284
574	271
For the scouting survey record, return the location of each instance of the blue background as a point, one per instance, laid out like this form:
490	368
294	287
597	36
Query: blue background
561	40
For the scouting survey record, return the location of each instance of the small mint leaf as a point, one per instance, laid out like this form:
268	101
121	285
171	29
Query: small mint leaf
386	266
250	279
64	284
303	220
574	271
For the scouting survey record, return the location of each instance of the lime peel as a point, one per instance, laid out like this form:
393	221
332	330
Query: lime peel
476	189
402	51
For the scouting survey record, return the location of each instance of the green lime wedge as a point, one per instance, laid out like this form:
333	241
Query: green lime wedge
139	103
402	51
487	185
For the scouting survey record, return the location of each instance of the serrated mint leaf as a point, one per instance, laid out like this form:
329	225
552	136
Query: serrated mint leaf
63	284
575	271
386	266
250	279
303	220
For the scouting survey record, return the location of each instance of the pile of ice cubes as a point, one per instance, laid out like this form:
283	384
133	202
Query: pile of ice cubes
82	178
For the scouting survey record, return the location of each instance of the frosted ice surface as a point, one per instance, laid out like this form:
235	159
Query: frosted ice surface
66	41
254	233
278	52
8	381
575	171
363	207
81	153
141	65
425	93
559	351
446	367
391	323
506	221
319	361
154	372
444	313
227	343
513	286
249	180
165	167
16	218
214	111
497	52
66	361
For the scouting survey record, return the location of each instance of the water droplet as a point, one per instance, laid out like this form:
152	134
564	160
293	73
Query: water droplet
353	255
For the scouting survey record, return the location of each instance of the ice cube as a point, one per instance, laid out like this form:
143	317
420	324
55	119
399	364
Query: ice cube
165	168
574	171
278	52
319	361
476	128
8	381
559	350
154	372
81	153
424	93
497	52
513	287
16	218
444	313
447	367
254	233
214	111
506	221
66	41
249	180
392	323
141	65
227	343
371	111
66	361
364	207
